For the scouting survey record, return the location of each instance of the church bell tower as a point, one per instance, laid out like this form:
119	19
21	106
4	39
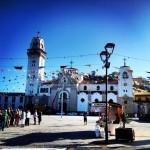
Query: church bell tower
125	89
125	83
36	64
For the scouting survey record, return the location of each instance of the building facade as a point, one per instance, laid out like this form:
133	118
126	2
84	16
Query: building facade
13	100
72	91
77	92
143	103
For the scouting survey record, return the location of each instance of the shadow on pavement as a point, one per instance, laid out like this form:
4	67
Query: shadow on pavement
47	139
112	142
32	138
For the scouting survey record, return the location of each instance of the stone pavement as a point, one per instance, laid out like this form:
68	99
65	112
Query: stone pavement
69	132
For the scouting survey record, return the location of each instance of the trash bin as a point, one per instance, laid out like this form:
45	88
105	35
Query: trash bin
125	134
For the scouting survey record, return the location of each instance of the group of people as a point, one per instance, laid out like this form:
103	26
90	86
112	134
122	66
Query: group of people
9	117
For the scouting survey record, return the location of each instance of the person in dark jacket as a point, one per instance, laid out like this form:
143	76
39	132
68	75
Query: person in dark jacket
123	118
2	120
39	117
85	118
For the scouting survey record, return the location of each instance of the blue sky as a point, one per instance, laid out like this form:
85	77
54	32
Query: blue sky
73	28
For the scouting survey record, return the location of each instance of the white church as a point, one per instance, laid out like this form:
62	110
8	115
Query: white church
70	90
73	91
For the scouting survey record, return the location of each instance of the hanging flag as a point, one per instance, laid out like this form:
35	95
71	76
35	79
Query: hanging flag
63	66
40	67
18	67
89	65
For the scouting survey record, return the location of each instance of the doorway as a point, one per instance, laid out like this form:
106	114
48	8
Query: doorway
63	98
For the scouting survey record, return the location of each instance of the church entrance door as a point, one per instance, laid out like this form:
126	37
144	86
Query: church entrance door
63	101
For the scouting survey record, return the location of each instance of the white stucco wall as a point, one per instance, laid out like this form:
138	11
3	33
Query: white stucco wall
112	96
82	106
93	87
96	96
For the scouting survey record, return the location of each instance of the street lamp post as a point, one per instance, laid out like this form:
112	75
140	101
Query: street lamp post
105	55
62	95
62	100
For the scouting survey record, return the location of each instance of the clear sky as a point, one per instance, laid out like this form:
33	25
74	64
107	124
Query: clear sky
73	28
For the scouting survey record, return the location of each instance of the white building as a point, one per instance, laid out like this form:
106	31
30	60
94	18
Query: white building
77	91
71	90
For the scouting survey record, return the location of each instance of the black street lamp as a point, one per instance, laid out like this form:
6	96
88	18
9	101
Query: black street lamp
105	55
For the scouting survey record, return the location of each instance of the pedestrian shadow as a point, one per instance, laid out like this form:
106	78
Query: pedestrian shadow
33	138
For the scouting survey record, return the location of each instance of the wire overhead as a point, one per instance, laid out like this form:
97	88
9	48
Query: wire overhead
79	56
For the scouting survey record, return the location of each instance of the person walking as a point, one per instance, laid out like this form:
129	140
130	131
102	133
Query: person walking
23	117
39	117
6	118
12	117
123	118
9	116
2	119
35	115
17	118
28	117
85	118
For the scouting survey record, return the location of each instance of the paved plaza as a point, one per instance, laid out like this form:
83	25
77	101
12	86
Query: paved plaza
69	132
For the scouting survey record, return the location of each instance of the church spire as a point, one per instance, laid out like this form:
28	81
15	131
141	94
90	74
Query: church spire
124	61
71	62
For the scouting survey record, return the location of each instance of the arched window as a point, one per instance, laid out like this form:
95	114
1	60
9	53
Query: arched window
82	100
64	80
64	96
33	61
125	84
111	88
96	100
98	88
85	87
35	43
125	75
111	100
